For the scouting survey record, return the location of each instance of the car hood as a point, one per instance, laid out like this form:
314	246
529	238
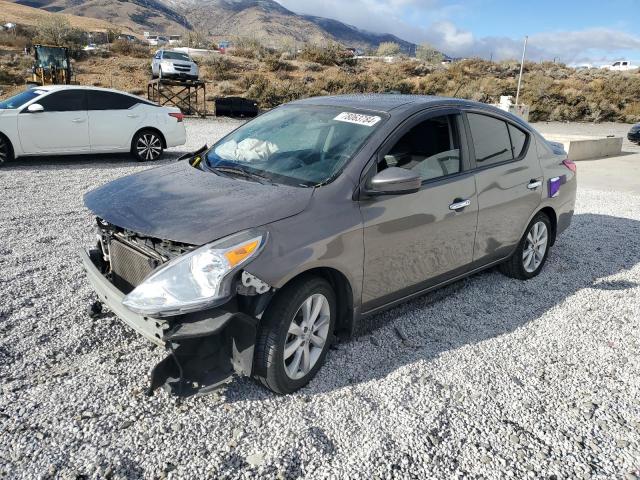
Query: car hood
184	204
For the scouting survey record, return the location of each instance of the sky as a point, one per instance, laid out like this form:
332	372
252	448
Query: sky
571	31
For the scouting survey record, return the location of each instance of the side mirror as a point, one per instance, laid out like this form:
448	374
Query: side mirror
394	181
35	108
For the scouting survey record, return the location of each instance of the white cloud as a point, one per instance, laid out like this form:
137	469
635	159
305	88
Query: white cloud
405	18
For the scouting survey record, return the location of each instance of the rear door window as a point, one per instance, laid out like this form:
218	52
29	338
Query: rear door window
64	101
491	139
99	100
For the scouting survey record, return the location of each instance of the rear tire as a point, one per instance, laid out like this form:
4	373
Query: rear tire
6	150
532	251
292	343
147	145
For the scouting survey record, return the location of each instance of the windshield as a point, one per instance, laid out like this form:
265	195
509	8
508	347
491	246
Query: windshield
296	145
176	56
20	99
47	57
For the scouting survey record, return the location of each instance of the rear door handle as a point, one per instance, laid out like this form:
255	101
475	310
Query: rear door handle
133	115
533	184
459	204
78	120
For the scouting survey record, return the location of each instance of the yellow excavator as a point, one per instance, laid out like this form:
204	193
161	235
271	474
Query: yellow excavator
51	66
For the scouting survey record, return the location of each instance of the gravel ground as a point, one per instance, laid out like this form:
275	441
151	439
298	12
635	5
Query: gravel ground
489	377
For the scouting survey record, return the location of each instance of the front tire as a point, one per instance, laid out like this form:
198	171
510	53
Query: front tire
532	252
295	334
146	146
6	150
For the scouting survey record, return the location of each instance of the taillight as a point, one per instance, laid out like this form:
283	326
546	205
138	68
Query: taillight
570	164
178	116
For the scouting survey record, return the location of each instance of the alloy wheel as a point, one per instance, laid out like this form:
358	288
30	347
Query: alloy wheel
307	336
149	146
535	247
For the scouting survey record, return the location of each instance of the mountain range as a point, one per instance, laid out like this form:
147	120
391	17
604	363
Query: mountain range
264	20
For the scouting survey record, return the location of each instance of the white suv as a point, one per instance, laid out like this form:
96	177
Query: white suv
65	119
173	64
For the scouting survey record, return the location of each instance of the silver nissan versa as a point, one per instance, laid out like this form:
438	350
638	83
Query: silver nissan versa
252	256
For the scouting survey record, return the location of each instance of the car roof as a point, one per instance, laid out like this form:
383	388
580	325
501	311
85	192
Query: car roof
51	88
55	88
400	104
382	102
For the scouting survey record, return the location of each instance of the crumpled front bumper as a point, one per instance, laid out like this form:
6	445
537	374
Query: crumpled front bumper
153	329
205	348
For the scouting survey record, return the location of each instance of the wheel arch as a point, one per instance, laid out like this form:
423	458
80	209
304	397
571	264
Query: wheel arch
149	129
344	295
12	149
553	218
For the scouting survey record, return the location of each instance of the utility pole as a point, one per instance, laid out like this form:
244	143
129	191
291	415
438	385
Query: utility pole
524	53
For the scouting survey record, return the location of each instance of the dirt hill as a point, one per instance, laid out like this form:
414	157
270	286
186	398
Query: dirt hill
264	20
25	15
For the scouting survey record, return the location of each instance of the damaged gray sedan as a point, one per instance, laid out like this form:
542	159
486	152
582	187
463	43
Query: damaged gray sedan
252	256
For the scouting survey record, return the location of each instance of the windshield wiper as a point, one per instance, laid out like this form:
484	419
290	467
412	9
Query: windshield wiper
262	179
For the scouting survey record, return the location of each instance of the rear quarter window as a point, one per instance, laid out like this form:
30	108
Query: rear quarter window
518	140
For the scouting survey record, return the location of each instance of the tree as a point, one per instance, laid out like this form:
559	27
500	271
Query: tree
429	54
56	30
388	49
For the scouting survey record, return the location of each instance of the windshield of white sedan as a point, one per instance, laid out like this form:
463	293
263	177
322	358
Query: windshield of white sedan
20	99
176	56
295	145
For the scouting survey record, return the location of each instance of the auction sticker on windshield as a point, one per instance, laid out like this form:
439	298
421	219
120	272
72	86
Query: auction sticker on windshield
358	118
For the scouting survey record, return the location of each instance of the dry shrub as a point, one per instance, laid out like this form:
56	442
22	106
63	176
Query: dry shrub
332	54
131	49
272	63
8	78
220	67
247	47
313	67
12	40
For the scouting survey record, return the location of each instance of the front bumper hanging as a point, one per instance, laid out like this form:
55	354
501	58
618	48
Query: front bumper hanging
205	348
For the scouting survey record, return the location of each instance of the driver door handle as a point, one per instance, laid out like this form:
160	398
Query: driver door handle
459	204
133	115
533	184
78	120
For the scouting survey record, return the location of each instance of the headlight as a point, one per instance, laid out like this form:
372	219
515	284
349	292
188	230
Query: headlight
196	280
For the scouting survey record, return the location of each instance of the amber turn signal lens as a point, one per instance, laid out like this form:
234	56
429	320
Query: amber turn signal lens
238	254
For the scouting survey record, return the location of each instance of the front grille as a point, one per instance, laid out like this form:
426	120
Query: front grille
129	267
182	68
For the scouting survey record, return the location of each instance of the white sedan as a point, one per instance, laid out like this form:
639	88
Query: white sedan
66	119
